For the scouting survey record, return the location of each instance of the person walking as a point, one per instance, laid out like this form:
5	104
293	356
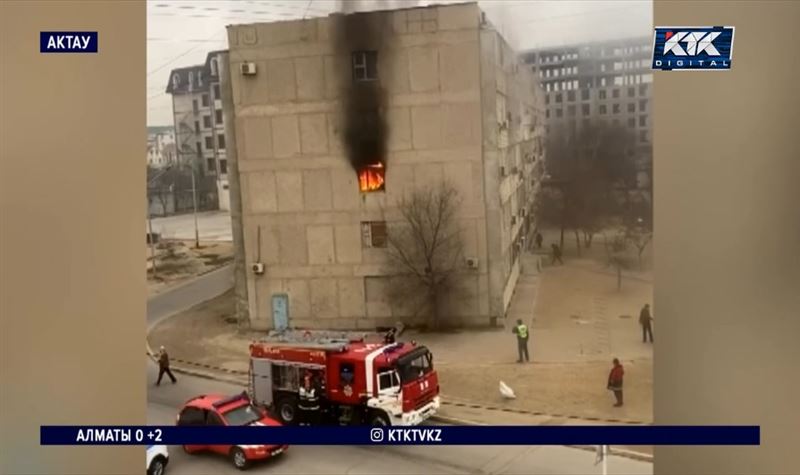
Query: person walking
615	381
557	254
539	239
163	366
521	330
309	401
646	321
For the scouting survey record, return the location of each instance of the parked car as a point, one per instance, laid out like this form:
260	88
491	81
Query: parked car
217	410
157	459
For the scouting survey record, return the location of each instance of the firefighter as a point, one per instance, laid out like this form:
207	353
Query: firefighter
309	401
391	336
521	330
615	381
163	366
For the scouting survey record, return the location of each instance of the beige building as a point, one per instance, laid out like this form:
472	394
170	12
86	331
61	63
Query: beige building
457	106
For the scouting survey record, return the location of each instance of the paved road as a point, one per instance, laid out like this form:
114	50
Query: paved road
164	401
187	295
211	225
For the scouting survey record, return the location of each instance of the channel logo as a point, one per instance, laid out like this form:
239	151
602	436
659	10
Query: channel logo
704	48
68	42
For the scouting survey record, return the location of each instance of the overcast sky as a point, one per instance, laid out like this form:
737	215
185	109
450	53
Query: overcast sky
181	32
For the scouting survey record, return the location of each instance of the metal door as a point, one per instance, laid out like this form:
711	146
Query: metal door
280	311
261	372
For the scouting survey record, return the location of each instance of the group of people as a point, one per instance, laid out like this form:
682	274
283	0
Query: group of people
615	377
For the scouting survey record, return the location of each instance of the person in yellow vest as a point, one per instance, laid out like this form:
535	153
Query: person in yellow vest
521	330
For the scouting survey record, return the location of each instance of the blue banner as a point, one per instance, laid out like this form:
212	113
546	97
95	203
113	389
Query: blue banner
420	435
68	42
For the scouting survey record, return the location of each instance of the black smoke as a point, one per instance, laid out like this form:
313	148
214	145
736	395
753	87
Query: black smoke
365	130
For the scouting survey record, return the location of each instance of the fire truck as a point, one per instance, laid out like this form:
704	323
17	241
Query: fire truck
360	381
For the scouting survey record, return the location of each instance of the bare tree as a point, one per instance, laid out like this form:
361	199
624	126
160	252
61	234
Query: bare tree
425	248
618	252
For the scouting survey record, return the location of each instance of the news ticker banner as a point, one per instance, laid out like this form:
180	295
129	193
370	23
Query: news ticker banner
418	435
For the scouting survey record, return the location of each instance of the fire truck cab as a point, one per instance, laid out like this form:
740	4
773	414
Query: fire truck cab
359	382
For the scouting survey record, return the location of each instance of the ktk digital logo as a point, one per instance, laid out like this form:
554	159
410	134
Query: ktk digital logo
703	48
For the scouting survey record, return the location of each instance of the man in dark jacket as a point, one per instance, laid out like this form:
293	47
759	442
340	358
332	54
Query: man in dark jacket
163	366
646	321
615	381
521	330
538	240
556	254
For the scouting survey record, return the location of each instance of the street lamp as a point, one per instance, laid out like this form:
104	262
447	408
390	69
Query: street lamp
151	238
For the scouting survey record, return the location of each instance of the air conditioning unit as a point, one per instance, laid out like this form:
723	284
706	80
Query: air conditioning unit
472	262
258	268
248	69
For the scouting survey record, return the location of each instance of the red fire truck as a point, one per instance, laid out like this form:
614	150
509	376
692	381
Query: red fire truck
360	382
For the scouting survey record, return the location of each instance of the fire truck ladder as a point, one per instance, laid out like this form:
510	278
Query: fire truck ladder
316	339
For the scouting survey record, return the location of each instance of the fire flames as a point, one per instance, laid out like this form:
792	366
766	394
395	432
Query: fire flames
371	178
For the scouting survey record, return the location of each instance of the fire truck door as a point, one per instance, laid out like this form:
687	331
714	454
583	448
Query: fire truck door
262	380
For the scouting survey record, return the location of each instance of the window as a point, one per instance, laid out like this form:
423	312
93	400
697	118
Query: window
207	121
194	105
373	234
585	94
191	417
601	94
631	107
365	65
631	91
558	98
586	110
204	98
218	117
571	111
217	94
176	80
615	93
602	109
191	79
214	67
547	99
643	136
559	113
642	90
642	105
547	113
209	143
571	96
199	149
643	120
196	127
211	164
243	415
221	141
616	108
199	78
223	167
631	122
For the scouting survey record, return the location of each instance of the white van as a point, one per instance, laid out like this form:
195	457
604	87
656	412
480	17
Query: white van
157	459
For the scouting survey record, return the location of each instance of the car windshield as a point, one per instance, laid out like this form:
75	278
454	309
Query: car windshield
242	415
415	365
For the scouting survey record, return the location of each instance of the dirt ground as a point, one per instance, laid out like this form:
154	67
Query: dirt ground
577	330
178	261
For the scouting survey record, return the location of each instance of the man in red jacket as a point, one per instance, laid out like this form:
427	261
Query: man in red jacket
615	381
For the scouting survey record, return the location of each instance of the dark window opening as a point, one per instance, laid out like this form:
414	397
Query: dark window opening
199	149
631	107
615	93
558	97
373	234
204	98
365	65
585	94
602	109
217	95
209	143
207	121
601	94
223	166
221	141
585	109
631	91
218	116
616	108
196	127
211	164
643	120
571	96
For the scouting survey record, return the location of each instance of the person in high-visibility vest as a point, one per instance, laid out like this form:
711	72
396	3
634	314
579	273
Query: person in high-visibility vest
308	404
521	330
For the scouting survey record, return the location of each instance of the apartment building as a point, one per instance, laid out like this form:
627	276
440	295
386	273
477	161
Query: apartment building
161	147
609	81
457	105
199	126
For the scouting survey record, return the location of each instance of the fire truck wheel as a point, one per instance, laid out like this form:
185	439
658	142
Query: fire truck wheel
378	419
239	459
287	410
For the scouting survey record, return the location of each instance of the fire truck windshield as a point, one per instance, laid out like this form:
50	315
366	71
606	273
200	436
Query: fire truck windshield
242	415
415	364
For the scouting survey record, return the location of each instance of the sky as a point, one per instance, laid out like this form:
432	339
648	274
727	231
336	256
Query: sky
181	32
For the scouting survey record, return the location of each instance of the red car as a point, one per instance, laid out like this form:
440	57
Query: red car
216	410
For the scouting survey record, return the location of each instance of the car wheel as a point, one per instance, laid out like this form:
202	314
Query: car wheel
379	419
287	410
238	458
157	467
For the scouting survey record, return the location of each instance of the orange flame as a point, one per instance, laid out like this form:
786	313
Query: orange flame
371	178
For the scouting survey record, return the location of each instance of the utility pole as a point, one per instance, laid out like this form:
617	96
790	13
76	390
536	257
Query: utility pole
194	204
151	237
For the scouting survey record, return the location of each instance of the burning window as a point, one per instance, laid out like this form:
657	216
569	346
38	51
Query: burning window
365	65
372	178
